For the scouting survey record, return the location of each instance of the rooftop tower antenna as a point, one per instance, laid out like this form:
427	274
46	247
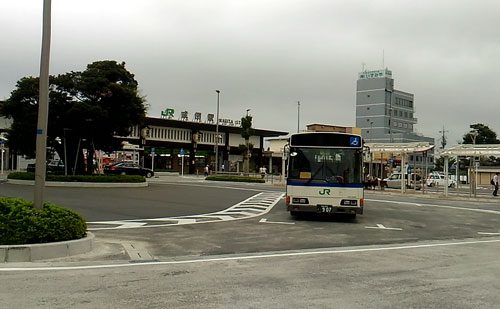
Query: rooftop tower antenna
383	59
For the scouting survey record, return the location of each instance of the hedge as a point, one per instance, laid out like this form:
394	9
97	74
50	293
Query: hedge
235	178
21	223
79	178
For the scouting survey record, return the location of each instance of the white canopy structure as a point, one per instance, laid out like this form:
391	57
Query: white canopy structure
468	150
399	148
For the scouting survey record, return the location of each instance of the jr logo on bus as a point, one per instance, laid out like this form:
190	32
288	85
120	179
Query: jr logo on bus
324	191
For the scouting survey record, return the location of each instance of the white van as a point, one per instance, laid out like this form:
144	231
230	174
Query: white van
394	181
438	180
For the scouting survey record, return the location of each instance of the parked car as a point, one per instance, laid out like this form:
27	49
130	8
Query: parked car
394	181
54	167
438	179
128	168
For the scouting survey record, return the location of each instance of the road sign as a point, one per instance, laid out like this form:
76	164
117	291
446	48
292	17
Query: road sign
181	152
152	150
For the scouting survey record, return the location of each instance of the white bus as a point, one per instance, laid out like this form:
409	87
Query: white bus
325	173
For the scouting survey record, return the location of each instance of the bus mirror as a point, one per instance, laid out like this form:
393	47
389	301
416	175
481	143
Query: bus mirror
293	154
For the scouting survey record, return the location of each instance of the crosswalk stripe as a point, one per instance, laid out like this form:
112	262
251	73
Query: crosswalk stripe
254	206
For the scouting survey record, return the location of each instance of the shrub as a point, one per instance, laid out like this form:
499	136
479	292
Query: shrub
21	223
79	178
235	178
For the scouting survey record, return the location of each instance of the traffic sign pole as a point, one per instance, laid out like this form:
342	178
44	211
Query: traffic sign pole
182	161
153	159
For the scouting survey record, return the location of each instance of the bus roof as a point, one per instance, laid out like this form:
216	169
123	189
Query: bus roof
326	139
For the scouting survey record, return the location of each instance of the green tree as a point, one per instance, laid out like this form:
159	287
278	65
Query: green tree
86	110
246	132
484	135
439	163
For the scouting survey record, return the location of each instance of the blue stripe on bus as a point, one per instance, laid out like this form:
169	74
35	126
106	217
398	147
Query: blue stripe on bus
323	184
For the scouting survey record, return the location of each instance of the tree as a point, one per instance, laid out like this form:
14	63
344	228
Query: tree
439	164
246	132
484	135
86	110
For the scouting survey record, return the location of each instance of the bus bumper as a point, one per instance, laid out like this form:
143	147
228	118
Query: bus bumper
326	209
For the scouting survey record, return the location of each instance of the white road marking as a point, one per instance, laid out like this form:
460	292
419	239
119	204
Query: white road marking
275	222
253	206
123	224
438	206
382	227
257	256
486	233
204	185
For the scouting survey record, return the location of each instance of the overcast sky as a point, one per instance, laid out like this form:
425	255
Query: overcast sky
265	55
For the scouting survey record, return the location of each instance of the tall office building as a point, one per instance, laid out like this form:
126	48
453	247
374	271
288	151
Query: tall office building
384	114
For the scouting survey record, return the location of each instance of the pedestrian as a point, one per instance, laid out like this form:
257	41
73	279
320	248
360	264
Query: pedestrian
495	183
207	169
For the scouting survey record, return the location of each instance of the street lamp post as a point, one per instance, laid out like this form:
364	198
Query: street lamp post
248	109
298	116
474	134
65	154
217	135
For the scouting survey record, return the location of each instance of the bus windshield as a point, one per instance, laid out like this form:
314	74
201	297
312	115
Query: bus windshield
332	165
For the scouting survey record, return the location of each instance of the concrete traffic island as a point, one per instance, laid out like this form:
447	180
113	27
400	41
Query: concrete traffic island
82	184
36	252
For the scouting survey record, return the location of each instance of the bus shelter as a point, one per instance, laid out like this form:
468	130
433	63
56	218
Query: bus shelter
402	149
468	150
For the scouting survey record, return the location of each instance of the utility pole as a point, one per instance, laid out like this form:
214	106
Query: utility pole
298	116
217	135
43	107
443	137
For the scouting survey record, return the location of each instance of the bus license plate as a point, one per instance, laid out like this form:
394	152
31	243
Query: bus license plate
325	208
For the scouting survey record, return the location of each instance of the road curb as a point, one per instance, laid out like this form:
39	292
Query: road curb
82	184
35	252
430	196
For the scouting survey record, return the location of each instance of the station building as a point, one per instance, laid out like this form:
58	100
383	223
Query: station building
189	145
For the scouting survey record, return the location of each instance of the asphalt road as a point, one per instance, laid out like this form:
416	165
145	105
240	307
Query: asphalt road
157	200
409	251
445	275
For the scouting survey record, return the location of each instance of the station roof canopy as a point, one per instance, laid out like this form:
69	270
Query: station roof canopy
470	150
399	147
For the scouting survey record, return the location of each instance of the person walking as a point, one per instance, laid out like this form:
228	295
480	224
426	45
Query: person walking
495	183
207	170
